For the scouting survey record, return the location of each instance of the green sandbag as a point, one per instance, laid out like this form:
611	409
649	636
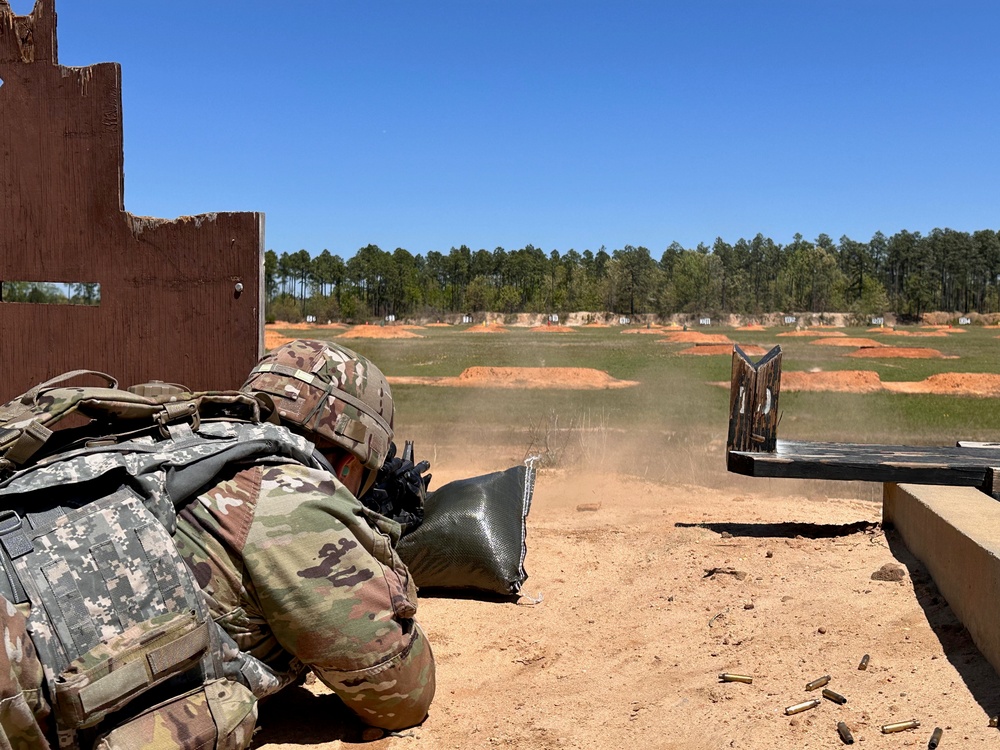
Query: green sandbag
473	534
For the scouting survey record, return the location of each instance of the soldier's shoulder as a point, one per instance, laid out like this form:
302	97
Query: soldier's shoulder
294	477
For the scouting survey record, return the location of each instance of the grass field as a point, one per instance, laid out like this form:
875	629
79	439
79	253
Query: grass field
672	425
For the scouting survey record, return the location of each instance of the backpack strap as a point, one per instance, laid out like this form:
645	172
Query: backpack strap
22	421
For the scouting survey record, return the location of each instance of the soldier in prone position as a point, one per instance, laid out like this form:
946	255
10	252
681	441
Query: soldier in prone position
294	574
296	570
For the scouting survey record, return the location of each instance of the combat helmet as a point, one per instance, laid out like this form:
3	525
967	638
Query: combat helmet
330	392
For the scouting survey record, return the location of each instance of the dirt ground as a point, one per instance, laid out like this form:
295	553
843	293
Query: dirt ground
576	378
642	603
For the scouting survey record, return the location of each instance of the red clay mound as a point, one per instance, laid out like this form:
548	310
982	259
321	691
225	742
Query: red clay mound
439	325
906	352
923	334
306	326
378	332
577	378
695	337
846	342
491	328
811	332
750	351
952	383
272	340
751	327
552	329
654	329
845	381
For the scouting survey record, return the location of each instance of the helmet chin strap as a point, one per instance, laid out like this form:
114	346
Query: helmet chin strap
370	477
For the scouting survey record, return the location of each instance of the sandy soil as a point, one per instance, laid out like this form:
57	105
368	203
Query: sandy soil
917	334
906	352
954	383
844	381
807	332
272	340
378	332
702	349
979	384
552	329
696	337
582	378
646	600
846	341
491	328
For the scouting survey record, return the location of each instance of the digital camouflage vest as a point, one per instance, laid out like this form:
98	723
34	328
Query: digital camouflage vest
130	655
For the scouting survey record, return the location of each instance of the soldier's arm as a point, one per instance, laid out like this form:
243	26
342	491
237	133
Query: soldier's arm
337	597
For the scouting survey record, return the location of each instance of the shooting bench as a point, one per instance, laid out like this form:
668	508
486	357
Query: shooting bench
753	449
941	500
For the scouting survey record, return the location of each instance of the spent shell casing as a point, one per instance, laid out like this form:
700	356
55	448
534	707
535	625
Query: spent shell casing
900	726
995	721
835	697
864	663
845	733
935	739
799	707
730	677
818	682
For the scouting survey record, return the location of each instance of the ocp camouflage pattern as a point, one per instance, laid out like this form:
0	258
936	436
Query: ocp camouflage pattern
220	715
331	391
23	708
295	572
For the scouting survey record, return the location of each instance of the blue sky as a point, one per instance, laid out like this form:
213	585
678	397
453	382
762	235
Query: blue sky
428	125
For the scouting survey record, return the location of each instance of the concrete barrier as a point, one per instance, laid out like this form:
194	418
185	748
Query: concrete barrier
955	533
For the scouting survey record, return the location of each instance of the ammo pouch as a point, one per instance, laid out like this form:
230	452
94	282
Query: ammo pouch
115	615
220	715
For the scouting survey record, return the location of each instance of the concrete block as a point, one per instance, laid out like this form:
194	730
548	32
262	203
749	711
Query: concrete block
955	533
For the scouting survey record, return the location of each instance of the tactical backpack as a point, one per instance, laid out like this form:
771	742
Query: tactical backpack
130	654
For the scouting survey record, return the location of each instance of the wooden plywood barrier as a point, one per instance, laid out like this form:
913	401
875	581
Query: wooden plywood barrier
179	300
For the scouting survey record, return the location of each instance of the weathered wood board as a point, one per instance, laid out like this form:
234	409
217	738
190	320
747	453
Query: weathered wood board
180	300
965	467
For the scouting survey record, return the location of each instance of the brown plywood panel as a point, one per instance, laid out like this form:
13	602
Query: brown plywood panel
169	305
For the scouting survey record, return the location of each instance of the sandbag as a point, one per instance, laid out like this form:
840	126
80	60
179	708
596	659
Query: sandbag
473	534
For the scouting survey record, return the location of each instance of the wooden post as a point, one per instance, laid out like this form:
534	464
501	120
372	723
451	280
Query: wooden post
753	402
179	300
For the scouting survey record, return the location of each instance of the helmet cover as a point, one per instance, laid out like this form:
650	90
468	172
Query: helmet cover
328	390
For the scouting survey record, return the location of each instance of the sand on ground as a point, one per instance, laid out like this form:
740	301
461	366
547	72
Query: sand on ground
846	341
812	332
576	378
905	352
647	593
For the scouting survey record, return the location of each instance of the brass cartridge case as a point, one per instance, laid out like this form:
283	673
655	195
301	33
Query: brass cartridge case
900	726
935	739
799	707
835	697
818	682
845	733
864	663
730	677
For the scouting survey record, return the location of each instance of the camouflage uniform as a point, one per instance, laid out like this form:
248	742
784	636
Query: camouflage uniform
301	575
23	708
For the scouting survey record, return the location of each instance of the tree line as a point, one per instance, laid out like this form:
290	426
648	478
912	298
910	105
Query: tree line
907	274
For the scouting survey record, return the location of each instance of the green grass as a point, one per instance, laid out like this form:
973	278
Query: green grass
672	426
